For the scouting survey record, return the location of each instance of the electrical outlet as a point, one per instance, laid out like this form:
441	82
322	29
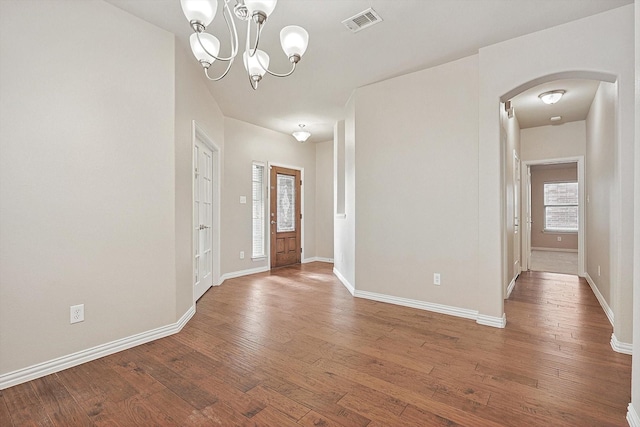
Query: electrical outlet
436	279
241	254
559	238
76	313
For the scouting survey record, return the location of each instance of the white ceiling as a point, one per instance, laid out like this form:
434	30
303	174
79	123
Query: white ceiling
414	35
574	104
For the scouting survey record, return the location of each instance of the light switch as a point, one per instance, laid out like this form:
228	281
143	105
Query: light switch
243	200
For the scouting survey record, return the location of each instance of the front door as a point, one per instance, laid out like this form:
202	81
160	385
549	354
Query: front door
285	216
202	218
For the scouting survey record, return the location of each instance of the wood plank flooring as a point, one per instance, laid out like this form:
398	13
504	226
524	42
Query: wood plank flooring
294	348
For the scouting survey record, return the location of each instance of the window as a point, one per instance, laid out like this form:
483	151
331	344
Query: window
258	210
561	206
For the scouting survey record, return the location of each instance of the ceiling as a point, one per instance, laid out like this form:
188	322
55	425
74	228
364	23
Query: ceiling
414	34
574	104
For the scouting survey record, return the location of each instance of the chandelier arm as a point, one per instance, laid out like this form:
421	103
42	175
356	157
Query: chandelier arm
206	72
252	51
233	32
233	35
293	68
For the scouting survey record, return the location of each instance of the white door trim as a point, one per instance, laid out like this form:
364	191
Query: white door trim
198	134
581	203
268	207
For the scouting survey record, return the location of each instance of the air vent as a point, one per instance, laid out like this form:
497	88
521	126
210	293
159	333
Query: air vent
362	20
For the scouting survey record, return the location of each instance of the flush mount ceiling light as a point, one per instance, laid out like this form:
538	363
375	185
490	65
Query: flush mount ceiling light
206	47
301	135
551	97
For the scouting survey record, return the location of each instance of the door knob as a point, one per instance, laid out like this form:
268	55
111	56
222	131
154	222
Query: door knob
273	222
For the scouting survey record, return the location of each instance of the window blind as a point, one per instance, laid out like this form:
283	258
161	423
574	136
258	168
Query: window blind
258	210
561	206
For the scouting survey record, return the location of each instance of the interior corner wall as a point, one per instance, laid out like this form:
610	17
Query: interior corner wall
600	186
244	144
416	180
193	101
86	178
554	141
635	371
584	44
324	200
511	128
344	225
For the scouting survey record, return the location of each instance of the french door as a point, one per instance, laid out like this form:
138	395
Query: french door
203	218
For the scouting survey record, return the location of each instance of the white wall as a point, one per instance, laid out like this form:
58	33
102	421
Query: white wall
511	129
86	178
344	242
586	44
416	179
245	143
600	190
324	200
192	102
554	142
634	407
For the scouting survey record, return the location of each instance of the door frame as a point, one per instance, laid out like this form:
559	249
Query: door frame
517	204
268	208
198	134
525	185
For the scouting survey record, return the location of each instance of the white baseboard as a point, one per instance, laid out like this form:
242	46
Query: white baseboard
422	305
317	259
621	347
56	365
495	322
555	250
345	282
600	298
241	273
632	416
512	285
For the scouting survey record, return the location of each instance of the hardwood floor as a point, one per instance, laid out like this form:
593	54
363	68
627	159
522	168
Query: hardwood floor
294	348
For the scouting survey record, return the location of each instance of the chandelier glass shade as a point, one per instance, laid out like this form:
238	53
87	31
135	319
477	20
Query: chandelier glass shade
206	47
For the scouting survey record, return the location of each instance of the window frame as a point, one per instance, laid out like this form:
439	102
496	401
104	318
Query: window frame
546	229
258	254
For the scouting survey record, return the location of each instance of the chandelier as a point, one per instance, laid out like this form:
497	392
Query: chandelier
206	47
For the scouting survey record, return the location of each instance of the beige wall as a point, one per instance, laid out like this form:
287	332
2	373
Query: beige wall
585	44
540	238
511	129
245	143
192	102
554	142
601	189
86	178
635	382
417	198
344	224
324	200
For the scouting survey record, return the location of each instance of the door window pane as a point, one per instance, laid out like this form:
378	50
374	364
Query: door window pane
286	203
